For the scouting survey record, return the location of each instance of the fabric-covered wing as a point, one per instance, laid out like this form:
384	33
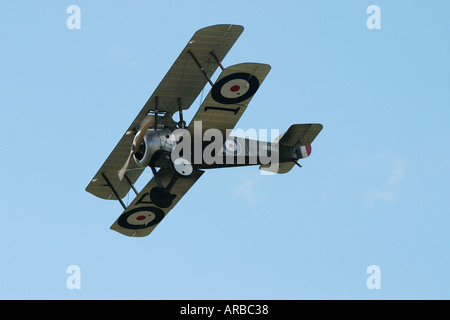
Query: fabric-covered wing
229	97
142	216
184	79
182	84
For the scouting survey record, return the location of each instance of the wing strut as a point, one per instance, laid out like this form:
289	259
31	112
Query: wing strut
114	191
217	60
200	67
181	123
203	69
156	110
131	184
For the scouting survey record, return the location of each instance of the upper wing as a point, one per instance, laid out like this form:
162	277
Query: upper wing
184	80
182	84
142	216
229	97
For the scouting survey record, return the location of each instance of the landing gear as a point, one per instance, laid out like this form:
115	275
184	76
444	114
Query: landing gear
160	197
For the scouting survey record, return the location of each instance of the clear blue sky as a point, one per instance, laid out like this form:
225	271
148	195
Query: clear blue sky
375	190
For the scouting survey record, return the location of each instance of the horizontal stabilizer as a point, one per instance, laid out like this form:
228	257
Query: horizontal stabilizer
283	167
300	134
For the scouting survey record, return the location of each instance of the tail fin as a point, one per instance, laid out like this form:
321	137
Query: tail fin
299	137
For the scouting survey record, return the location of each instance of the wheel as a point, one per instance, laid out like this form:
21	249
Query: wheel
183	167
160	198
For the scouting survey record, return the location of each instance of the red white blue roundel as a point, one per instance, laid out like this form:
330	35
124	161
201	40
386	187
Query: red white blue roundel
232	146
139	218
235	88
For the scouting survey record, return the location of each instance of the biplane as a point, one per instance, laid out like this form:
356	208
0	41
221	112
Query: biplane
155	134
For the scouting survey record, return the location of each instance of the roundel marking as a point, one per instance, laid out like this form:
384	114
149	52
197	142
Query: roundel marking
232	147
235	88
139	218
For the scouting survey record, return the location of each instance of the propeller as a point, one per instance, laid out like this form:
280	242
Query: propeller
146	123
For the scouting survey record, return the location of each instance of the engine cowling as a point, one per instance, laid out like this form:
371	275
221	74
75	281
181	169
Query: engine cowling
155	141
